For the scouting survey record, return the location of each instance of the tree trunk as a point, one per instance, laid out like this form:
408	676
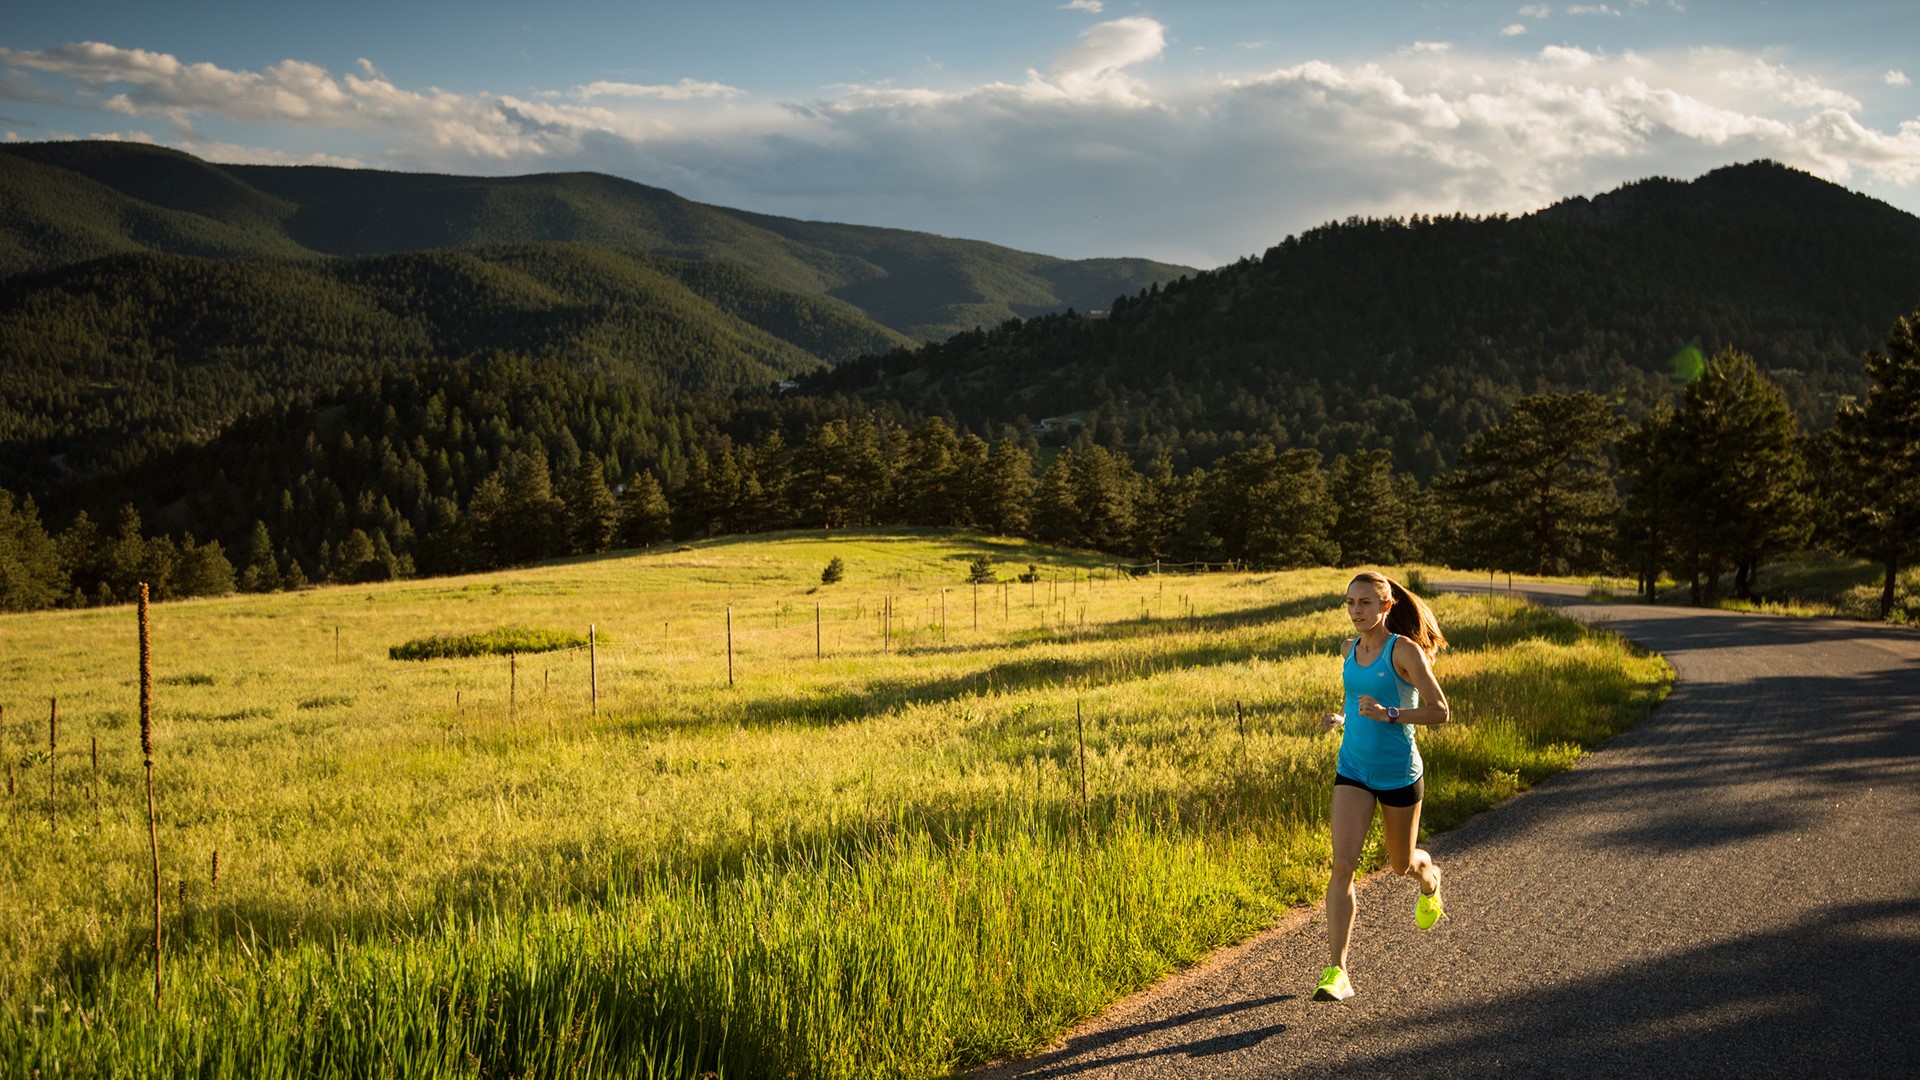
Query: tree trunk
1893	578
1650	572
1743	576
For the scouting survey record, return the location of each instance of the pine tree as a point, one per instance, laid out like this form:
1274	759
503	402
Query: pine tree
203	570
1875	449
1372	524
930	476
1056	510
1105	491
1535	491
645	518
1272	509
31	576
352	558
818	484
591	513
261	573
1739	460
1003	498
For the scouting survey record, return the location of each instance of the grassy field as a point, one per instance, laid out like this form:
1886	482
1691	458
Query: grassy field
871	844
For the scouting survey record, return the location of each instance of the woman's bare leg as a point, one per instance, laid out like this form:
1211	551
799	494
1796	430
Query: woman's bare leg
1400	826
1352	815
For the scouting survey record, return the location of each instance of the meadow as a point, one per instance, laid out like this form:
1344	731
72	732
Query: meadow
893	826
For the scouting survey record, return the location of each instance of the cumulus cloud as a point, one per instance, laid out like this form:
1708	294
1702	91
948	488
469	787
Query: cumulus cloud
1091	6
1897	78
1536	11
1593	9
1086	157
1513	30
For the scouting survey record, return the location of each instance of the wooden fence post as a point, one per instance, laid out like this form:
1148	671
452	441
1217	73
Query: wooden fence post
146	750
53	765
593	669
729	644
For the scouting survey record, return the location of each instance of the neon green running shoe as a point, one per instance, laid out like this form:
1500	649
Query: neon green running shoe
1428	909
1333	986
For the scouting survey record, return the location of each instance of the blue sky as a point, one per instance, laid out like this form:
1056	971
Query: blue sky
1195	132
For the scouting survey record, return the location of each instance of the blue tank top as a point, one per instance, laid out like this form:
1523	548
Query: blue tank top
1378	754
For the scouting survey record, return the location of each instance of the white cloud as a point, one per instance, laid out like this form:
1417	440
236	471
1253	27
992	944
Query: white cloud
1434	47
1513	30
1536	11
1084	158
1774	81
1568	56
1593	9
1094	7
1897	78
1095	68
684	90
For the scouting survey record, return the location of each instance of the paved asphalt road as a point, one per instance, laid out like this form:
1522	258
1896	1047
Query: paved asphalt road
1731	889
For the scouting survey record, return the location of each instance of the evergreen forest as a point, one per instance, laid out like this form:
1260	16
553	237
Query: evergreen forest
221	377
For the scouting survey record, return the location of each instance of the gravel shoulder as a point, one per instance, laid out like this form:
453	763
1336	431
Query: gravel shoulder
1732	888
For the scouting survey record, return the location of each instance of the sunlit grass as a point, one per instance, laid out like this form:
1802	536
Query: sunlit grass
884	859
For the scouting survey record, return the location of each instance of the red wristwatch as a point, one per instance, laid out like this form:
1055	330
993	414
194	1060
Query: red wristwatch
1393	715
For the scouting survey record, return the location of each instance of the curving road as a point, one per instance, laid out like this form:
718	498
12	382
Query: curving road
1730	889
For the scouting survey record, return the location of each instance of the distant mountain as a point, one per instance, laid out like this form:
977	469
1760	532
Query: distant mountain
66	202
1411	335
104	362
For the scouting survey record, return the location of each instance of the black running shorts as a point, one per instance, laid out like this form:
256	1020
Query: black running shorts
1400	796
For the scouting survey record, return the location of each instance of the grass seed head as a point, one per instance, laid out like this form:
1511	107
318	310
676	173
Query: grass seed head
146	680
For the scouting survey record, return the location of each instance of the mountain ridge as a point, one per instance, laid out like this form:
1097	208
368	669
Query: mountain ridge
285	211
1411	334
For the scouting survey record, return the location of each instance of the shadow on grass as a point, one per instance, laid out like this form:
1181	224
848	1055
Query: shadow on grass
1019	675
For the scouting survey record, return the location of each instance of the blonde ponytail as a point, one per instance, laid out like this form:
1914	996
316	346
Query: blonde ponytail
1410	617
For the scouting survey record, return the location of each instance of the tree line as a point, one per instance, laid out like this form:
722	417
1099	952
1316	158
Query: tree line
457	466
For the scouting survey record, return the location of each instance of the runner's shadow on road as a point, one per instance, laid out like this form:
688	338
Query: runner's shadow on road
1072	1058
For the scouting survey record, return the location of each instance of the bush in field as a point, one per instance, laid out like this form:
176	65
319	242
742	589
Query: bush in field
505	641
980	571
834	572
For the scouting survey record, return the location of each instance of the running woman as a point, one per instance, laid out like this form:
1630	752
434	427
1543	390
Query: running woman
1389	689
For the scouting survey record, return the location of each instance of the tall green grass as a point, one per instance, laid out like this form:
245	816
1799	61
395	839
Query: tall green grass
504	641
878	862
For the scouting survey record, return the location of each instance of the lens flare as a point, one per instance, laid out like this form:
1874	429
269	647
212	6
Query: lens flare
1687	364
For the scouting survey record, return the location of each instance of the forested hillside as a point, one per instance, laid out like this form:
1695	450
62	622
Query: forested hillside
1411	335
105	363
1563	391
62	203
